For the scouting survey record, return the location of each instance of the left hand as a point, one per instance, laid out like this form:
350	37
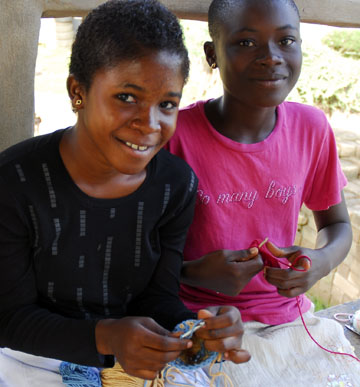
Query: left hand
291	283
223	332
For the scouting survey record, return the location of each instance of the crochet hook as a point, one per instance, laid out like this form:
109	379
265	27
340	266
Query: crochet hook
192	330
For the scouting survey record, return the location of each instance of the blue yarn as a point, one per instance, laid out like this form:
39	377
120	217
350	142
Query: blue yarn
201	359
75	375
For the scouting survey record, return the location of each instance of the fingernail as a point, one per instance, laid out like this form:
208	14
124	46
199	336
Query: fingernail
189	344
253	250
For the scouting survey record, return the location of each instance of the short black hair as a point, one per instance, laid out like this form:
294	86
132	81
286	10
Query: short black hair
219	9
125	30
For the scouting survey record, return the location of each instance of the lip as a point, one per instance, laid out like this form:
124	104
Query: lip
135	147
273	80
269	77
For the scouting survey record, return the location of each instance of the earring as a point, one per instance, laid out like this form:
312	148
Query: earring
78	102
213	65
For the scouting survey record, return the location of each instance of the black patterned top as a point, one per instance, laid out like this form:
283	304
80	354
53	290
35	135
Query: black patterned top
68	260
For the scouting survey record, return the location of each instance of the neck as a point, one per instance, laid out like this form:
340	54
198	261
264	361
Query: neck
239	122
79	157
91	172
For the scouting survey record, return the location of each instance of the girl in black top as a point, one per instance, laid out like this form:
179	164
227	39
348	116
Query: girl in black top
94	217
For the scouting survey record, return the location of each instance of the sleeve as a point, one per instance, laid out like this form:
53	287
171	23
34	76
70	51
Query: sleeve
24	325
327	180
160	299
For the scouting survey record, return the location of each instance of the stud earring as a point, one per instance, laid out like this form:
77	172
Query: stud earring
78	102
213	65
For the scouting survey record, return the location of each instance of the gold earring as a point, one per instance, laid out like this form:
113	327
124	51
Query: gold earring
213	65
78	102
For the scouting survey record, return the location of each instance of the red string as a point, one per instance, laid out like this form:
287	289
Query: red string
270	260
327	350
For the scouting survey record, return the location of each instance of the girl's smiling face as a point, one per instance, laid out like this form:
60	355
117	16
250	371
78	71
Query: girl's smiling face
258	52
130	111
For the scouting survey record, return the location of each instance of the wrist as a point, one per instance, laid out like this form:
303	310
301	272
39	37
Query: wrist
103	337
188	273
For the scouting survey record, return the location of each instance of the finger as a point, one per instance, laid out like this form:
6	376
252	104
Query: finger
291	293
163	343
222	317
277	274
274	250
223	345
149	359
153	326
227	323
244	255
300	262
204	314
176	334
284	278
237	356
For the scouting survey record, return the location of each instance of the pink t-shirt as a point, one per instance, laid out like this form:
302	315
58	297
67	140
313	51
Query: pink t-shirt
254	191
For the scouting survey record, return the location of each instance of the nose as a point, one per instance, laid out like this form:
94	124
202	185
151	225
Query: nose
270	55
146	120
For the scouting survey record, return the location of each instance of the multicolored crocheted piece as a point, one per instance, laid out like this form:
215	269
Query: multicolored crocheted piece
197	356
75	375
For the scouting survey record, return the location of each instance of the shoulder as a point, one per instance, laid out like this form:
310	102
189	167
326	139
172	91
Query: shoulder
191	128
171	165
29	149
301	114
191	115
173	169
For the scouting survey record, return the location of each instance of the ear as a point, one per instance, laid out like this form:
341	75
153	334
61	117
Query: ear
76	92
210	54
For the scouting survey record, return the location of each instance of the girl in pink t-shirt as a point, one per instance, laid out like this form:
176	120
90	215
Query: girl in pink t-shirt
258	159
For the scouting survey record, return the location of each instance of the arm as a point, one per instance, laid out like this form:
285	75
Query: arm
160	298
24	324
332	245
334	234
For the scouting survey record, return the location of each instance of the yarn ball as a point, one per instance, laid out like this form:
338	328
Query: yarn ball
197	356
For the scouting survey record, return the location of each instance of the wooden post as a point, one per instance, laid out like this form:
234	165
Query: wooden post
19	31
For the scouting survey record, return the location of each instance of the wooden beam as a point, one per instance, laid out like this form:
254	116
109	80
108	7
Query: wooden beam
342	13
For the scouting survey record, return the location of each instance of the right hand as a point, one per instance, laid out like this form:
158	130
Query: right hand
224	271
140	345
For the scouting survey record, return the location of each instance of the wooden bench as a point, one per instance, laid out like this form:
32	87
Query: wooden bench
349	307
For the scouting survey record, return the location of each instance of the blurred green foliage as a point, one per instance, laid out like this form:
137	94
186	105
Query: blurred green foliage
345	42
329	80
319	305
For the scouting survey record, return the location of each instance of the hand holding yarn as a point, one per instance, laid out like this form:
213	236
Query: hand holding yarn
225	271
217	334
223	332
140	345
290	269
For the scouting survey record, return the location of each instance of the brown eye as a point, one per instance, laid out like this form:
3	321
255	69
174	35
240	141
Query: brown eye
287	42
126	98
168	105
246	43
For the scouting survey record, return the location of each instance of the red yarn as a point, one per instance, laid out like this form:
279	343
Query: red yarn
327	350
270	260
